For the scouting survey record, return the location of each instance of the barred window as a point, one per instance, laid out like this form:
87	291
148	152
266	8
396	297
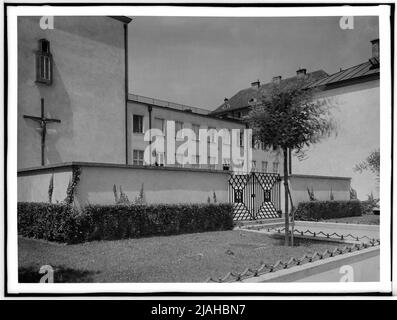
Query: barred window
275	167
44	62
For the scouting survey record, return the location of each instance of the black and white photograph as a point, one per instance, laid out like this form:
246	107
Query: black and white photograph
196	149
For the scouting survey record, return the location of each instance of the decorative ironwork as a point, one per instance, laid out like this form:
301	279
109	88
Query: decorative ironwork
255	195
292	262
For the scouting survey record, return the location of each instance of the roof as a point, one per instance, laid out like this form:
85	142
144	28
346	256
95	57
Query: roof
167	104
319	78
241	99
365	69
176	106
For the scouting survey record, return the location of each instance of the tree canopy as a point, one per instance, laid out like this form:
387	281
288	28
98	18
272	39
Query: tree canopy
289	116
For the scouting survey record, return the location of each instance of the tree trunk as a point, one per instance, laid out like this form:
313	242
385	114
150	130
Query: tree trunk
285	153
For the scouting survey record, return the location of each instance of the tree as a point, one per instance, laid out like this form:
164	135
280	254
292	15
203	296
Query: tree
291	118
372	163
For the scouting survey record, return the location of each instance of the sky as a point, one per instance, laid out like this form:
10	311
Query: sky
200	61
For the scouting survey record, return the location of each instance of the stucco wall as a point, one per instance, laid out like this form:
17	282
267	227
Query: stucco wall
34	186
321	186
87	93
160	185
357	115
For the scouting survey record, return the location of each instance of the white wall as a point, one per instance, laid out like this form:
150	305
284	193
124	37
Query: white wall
34	186
321	186
87	93
161	185
358	133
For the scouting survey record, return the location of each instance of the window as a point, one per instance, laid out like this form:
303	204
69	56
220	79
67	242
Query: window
226	136
160	124
211	137
226	164
137	124
264	166
137	157
241	139
196	128
160	159
275	167
44	62
253	163
178	129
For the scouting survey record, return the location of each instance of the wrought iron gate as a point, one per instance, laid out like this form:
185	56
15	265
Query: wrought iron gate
255	195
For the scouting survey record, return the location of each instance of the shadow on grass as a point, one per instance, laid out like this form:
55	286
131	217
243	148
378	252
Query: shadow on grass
61	274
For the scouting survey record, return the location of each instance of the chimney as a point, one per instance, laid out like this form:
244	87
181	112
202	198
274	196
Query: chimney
255	85
276	79
375	48
301	73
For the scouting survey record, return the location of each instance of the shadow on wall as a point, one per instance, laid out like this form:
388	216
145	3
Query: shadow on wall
160	185
58	100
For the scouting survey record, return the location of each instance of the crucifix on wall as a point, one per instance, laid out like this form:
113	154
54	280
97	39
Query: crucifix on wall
42	120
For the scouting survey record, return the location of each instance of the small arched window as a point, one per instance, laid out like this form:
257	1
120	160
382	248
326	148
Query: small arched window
44	63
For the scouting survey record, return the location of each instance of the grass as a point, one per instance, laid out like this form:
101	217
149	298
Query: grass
181	258
364	219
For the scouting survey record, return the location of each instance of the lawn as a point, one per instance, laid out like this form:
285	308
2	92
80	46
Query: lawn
364	219
181	258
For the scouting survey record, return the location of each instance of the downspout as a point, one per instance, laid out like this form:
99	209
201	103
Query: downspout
149	108
126	89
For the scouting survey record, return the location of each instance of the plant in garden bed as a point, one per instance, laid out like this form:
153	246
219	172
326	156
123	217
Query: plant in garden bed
290	117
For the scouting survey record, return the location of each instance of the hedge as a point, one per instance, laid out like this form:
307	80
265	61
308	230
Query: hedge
318	210
53	222
60	222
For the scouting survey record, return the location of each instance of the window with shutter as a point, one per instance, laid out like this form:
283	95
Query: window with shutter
44	63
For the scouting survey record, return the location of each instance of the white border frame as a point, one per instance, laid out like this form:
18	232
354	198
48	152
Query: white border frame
385	111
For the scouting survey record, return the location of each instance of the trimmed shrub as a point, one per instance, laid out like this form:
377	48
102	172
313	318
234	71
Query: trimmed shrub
61	223
133	221
53	222
318	210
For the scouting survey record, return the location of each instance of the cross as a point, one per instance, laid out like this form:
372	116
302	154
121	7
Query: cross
42	120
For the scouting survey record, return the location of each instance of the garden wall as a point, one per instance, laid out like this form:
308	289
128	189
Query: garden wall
160	184
33	185
321	186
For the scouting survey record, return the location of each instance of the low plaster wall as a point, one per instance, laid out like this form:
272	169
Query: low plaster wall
33	186
359	266
161	184
321	185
